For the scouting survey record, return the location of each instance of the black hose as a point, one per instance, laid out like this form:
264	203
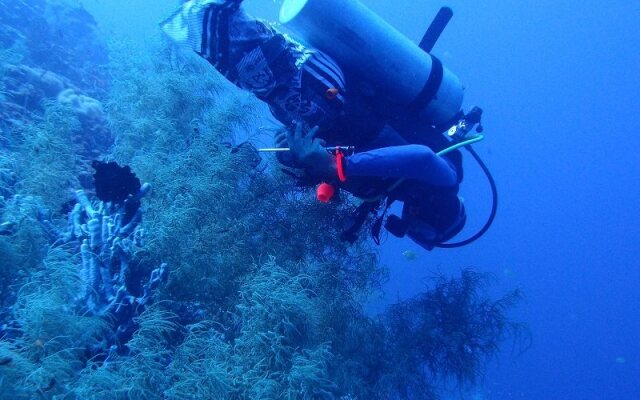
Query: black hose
494	207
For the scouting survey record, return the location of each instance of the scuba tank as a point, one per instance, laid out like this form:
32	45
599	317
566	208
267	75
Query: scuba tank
400	74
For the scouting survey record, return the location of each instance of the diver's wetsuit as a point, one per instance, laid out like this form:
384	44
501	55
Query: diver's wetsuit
296	82
290	78
432	212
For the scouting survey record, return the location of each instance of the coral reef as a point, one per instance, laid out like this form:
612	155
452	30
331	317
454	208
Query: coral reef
81	300
234	285
110	285
21	245
57	36
449	331
43	160
49	50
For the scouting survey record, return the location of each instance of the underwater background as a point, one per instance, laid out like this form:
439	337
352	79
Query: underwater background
229	294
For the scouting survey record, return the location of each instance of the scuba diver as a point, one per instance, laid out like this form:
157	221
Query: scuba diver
379	137
393	170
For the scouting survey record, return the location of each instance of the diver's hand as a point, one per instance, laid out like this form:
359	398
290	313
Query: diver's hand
309	151
281	139
285	158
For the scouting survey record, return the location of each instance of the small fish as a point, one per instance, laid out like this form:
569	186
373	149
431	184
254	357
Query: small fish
621	360
5	360
410	255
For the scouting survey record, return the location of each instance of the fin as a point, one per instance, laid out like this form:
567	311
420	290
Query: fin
436	28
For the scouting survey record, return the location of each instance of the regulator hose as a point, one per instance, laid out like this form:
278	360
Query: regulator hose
494	206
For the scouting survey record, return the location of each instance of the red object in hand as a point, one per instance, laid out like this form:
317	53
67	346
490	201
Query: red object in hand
325	192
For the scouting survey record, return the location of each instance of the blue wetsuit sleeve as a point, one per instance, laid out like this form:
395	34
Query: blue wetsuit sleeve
410	162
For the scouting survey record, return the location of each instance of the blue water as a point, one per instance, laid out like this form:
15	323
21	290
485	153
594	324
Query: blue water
559	84
558	81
